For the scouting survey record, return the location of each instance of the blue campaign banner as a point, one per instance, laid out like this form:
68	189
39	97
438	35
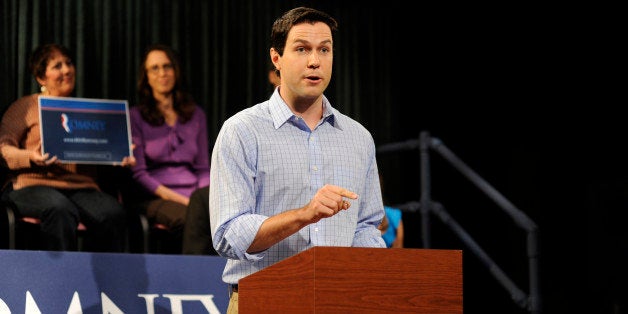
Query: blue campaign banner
84	130
78	282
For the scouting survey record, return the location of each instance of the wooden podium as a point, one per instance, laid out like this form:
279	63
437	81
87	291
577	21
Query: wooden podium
357	280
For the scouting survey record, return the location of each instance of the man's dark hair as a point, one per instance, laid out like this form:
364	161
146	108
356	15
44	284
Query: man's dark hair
283	24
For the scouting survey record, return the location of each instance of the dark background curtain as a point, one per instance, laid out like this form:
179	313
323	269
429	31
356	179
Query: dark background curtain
489	81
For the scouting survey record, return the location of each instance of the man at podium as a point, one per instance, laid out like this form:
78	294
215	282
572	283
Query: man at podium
293	172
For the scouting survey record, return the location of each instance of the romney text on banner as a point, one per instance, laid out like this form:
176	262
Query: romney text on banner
77	282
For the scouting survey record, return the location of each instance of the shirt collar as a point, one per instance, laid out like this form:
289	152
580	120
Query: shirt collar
281	113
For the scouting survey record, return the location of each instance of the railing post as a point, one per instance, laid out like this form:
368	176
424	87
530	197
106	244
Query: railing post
534	301
426	188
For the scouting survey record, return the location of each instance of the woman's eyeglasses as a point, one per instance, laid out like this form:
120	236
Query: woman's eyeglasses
155	68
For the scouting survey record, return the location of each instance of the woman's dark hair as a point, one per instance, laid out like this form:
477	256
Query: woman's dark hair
282	25
183	102
38	61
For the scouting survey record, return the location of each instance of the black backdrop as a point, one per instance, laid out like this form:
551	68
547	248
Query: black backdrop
488	80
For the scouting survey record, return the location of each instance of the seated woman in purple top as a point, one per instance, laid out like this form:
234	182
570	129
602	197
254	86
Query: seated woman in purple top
169	131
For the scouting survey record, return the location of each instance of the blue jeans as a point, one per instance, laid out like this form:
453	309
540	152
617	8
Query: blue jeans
61	210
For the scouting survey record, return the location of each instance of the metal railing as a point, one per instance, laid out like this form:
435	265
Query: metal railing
530	301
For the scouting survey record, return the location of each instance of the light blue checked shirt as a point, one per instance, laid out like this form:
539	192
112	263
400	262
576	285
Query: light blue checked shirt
266	160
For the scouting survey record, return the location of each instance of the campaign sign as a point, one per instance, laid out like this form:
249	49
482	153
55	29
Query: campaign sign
83	130
115	283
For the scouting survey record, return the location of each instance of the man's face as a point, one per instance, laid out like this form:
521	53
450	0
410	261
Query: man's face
306	64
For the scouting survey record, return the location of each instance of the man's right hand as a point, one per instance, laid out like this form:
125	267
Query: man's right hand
328	201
